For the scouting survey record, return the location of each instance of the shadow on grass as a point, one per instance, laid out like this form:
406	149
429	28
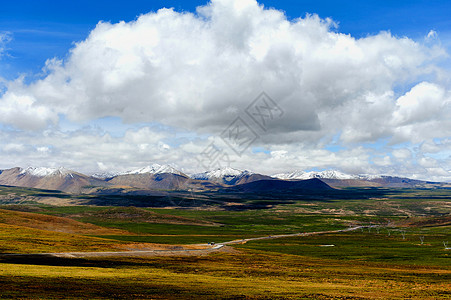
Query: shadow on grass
50	260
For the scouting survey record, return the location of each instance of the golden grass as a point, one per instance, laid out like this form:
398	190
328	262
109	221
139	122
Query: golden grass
19	239
247	275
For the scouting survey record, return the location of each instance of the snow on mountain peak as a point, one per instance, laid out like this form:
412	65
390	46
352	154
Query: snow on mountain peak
370	177
152	169
105	175
43	171
220	173
328	174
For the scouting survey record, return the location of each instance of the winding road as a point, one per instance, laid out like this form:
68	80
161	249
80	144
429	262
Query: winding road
207	250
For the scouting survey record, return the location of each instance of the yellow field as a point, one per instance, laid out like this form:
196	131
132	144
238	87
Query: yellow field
248	274
19	239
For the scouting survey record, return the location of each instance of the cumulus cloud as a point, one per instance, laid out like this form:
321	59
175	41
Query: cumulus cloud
186	69
197	72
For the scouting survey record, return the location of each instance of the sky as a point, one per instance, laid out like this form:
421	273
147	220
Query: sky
272	86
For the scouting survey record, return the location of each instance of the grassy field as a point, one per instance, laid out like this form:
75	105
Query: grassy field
248	274
403	258
19	239
366	246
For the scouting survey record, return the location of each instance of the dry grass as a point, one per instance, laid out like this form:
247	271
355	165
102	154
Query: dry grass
249	275
52	223
19	239
136	214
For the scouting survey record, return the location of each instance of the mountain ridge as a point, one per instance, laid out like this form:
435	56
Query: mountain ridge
166	177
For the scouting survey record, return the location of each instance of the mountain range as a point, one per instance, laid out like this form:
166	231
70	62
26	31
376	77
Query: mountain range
164	177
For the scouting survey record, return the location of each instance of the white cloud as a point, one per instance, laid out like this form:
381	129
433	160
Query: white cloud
185	70
197	72
432	35
402	154
422	103
24	111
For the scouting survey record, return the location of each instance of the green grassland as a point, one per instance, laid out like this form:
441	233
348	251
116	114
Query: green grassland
385	262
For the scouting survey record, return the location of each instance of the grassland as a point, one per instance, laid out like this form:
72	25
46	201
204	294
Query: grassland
248	274
403	258
18	239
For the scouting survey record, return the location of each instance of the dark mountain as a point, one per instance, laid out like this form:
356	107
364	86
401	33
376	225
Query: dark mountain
282	186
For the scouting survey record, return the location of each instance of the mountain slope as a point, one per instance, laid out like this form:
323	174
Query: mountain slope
164	181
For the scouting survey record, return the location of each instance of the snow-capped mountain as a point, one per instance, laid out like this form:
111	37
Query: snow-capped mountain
165	177
339	179
43	171
156	176
229	176
328	174
219	174
48	178
370	177
152	169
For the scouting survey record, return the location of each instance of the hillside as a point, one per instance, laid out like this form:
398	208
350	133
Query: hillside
53	223
21	239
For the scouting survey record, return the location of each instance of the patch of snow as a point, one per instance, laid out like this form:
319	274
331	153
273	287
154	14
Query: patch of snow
226	174
153	169
105	175
370	177
328	174
43	171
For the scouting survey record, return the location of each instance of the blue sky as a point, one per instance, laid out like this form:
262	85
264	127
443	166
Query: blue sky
163	86
48	28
